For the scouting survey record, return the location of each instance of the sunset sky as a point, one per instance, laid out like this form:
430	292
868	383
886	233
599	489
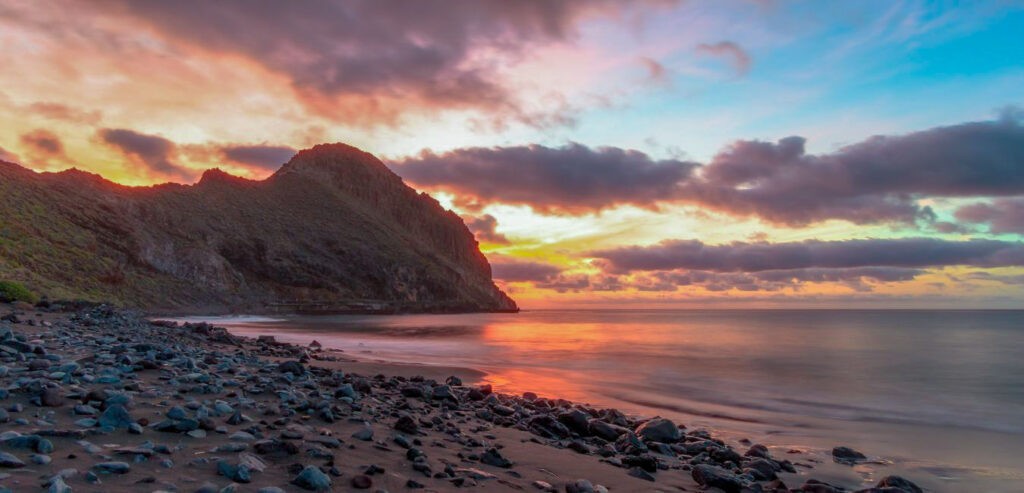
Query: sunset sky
643	153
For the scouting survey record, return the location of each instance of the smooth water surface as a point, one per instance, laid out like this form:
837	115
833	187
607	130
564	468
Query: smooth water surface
936	391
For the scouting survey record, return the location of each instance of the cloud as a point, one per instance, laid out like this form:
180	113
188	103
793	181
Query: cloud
877	180
657	74
484	228
259	156
810	254
564	283
368	53
736	56
58	111
1004	279
508	269
153	151
43	143
573	179
1001	215
857	278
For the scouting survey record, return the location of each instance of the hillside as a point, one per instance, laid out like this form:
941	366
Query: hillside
333	229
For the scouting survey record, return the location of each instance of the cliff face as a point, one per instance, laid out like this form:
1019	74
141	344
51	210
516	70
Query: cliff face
332	229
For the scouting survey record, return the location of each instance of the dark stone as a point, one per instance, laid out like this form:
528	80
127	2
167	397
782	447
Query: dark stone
847	455
116	417
494	458
361	482
112	468
52	397
900	483
639	472
659	430
710	476
576	420
275	448
9	461
604	430
293	367
406	424
313	479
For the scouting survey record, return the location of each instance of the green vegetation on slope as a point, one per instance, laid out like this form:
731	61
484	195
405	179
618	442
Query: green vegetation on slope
12	291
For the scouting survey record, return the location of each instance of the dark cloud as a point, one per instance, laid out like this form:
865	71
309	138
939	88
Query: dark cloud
43	143
736	56
155	152
260	156
858	278
1004	279
417	50
564	283
484	228
1001	215
877	180
811	254
508	269
573	179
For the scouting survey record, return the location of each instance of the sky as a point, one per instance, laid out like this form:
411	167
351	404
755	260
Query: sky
651	153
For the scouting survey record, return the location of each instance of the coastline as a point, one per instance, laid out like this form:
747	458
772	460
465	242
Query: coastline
255	402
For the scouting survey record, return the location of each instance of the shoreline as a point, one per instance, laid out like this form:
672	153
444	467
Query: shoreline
395	431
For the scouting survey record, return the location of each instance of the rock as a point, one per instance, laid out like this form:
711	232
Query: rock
313	479
604	430
710	476
293	367
474	473
639	472
494	458
815	486
406	424
57	485
38	364
9	461
365	434
580	486
361	482
761	469
659	430
52	397
576	420
543	486
239	473
111	468
454	381
275	448
758	450
900	483
116	417
847	455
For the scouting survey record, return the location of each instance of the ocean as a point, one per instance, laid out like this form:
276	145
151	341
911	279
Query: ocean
937	395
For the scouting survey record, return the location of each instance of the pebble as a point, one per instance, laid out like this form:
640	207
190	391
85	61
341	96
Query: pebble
271	405
313	479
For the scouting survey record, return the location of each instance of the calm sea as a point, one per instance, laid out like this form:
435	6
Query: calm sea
938	395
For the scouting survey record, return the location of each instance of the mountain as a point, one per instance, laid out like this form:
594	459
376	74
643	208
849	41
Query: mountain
333	230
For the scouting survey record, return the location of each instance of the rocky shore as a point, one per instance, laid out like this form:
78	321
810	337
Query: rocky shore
104	400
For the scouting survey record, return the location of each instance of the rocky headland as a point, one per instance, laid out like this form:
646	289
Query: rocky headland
333	230
97	399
